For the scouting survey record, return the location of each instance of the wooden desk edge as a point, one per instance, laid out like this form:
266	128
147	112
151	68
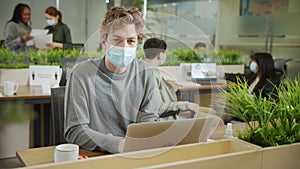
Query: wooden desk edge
217	135
28	163
23	164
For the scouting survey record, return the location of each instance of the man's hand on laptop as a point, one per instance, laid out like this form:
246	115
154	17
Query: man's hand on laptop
194	108
121	145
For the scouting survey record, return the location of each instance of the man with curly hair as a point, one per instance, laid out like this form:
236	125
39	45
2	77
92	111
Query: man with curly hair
105	95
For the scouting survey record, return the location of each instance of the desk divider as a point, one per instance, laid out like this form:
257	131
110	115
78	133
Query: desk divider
232	153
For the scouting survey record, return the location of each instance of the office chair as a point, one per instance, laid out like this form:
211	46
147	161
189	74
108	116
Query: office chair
79	46
67	65
2	43
57	116
281	67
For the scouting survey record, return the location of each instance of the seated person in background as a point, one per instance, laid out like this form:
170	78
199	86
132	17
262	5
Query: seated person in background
155	52
266	79
17	29
200	47
61	32
263	78
105	95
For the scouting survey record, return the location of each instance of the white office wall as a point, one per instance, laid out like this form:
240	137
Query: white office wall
74	15
95	14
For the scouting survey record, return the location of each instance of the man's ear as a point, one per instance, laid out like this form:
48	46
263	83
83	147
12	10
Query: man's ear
159	56
103	43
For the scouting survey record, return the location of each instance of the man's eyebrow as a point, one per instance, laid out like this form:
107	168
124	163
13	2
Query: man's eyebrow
121	37
117	36
131	37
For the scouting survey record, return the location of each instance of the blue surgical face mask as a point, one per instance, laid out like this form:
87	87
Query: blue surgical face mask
121	56
253	66
163	59
51	22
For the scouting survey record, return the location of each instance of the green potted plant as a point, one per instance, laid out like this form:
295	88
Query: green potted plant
229	57
271	123
14	128
229	61
12	60
14	66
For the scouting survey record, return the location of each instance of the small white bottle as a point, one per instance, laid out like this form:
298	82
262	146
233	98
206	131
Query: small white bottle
228	132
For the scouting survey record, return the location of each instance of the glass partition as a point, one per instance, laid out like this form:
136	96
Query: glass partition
201	17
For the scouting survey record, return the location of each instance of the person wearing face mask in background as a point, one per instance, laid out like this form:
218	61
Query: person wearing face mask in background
17	29
170	108
262	65
104	95
262	78
155	52
61	32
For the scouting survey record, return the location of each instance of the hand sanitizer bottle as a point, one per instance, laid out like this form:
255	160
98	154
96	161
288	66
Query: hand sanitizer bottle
228	132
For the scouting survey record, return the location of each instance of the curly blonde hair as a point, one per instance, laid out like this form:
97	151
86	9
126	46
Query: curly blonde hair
117	17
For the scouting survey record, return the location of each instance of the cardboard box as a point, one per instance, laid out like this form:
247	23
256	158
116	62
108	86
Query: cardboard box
230	153
284	156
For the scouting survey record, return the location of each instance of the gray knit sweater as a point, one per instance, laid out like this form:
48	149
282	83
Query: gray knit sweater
99	105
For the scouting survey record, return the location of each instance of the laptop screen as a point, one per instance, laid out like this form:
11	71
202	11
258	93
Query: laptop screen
204	71
149	135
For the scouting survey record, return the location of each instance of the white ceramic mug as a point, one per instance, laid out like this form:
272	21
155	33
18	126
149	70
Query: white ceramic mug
66	152
10	87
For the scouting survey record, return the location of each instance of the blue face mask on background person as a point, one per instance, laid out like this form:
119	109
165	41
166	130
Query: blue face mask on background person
163	60
253	66
121	56
51	22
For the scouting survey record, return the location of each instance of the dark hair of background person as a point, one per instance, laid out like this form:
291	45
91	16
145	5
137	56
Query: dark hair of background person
18	11
266	70
199	44
54	12
153	46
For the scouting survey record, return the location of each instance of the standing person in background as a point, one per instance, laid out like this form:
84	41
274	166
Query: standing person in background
61	32
17	29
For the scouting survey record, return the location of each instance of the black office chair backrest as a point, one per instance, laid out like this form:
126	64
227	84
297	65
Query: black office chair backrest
281	67
2	43
78	46
57	115
67	65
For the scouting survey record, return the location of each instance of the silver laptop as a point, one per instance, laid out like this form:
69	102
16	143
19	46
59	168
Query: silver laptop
150	135
204	71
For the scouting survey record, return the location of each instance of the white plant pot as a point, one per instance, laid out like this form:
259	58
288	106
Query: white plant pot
231	68
284	156
14	137
222	69
20	76
171	73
